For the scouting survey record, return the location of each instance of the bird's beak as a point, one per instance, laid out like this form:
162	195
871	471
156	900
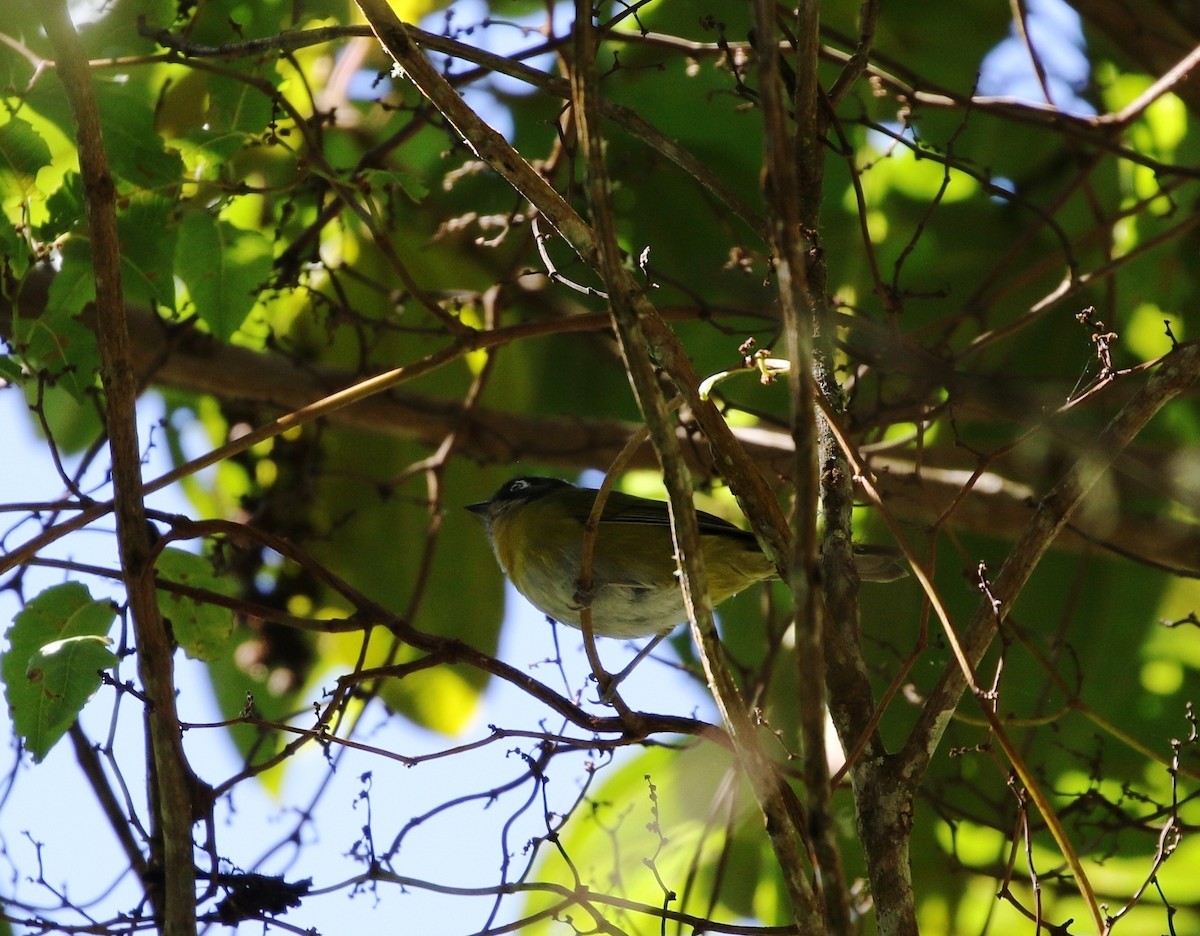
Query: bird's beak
481	509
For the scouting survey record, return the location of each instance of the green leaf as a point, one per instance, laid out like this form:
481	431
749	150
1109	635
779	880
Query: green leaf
23	153
443	699
62	611
66	350
74	286
66	209
148	237
202	629
637	838
467	606
216	114
224	267
56	341
74	422
411	185
136	152
11	371
61	677
57	645
14	252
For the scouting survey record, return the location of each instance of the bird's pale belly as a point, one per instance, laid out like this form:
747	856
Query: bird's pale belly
621	611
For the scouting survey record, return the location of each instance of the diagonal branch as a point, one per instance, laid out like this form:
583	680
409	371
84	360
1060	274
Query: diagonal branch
786	834
745	477
1178	372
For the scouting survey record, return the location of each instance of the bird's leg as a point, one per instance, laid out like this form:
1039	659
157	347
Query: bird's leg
583	596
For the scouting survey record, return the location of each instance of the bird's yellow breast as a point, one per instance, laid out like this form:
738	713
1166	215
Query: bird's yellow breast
635	587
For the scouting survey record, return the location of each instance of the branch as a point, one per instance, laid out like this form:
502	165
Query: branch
868	17
628	307
170	777
792	170
917	493
1178	372
745	477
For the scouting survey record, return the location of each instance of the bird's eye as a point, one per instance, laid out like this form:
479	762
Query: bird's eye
519	485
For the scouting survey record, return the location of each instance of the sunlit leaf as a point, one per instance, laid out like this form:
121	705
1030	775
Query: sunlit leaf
135	151
223	267
22	153
57	645
62	676
201	628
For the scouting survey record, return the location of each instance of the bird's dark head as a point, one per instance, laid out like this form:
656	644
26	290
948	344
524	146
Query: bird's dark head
515	494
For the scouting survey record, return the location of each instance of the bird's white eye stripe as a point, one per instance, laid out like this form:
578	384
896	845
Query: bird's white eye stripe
519	485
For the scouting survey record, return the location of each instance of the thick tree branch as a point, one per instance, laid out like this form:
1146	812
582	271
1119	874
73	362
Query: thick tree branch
170	778
916	493
792	180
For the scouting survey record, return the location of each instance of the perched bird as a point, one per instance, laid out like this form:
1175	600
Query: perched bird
536	528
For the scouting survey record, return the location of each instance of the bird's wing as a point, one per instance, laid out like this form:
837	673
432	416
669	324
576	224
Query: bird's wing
625	555
625	508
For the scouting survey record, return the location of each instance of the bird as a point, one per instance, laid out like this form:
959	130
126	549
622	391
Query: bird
536	528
